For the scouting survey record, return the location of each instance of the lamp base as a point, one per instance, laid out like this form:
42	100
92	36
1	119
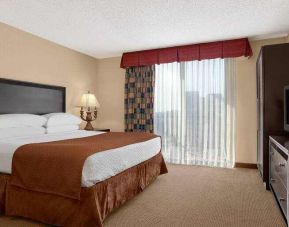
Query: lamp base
89	126
89	118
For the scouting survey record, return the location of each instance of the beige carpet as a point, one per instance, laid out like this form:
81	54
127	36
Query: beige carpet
195	196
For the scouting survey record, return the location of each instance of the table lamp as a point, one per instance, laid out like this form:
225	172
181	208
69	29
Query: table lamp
89	104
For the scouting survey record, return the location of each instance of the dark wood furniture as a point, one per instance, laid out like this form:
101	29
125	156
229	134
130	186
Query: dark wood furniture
102	129
279	171
272	77
26	97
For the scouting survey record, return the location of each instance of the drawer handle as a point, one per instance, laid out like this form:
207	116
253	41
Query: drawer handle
272	180
282	199
282	164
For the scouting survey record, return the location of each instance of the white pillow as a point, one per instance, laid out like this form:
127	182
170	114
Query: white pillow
58	119
21	120
63	128
24	131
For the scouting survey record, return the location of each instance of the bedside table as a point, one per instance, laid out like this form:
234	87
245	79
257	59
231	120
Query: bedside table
102	129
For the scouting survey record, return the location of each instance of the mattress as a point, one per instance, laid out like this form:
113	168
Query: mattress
97	167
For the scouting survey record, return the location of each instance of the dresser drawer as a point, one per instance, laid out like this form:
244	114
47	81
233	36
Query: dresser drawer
280	192
278	164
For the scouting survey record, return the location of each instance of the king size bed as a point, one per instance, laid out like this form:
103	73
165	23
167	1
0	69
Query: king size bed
69	178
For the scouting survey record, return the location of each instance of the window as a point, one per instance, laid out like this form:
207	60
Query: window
194	111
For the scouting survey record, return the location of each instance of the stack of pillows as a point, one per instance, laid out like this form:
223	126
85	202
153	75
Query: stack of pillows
13	125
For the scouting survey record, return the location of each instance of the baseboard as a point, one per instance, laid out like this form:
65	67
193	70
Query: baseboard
245	165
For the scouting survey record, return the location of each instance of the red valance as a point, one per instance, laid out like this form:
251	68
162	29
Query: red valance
221	49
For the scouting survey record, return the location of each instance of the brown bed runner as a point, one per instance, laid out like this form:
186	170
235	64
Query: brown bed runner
56	167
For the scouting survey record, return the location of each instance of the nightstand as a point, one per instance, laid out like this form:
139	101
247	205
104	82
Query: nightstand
102	129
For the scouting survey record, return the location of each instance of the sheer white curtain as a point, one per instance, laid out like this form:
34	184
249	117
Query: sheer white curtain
194	111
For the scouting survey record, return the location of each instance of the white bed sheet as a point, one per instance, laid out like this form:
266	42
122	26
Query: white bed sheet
97	167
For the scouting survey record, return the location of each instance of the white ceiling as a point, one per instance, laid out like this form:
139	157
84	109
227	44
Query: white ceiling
107	28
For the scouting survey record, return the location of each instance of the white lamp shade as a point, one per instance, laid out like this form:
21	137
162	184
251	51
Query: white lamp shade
89	100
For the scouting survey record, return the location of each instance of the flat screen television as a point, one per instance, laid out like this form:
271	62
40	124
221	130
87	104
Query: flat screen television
286	108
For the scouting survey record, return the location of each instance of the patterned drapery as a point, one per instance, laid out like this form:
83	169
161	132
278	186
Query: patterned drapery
139	98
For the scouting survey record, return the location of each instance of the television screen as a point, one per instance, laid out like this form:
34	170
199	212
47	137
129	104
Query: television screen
286	105
286	108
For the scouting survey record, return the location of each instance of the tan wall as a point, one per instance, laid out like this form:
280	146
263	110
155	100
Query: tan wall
29	58
110	94
110	90
26	57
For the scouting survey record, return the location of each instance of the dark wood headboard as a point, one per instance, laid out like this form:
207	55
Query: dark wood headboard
26	97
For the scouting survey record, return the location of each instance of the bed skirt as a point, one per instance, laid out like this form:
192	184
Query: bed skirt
95	204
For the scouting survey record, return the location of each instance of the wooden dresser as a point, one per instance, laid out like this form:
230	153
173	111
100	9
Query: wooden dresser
279	149
272	77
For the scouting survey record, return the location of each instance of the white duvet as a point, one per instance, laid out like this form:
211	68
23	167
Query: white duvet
97	167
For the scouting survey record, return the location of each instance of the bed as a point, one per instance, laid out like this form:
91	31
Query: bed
108	178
